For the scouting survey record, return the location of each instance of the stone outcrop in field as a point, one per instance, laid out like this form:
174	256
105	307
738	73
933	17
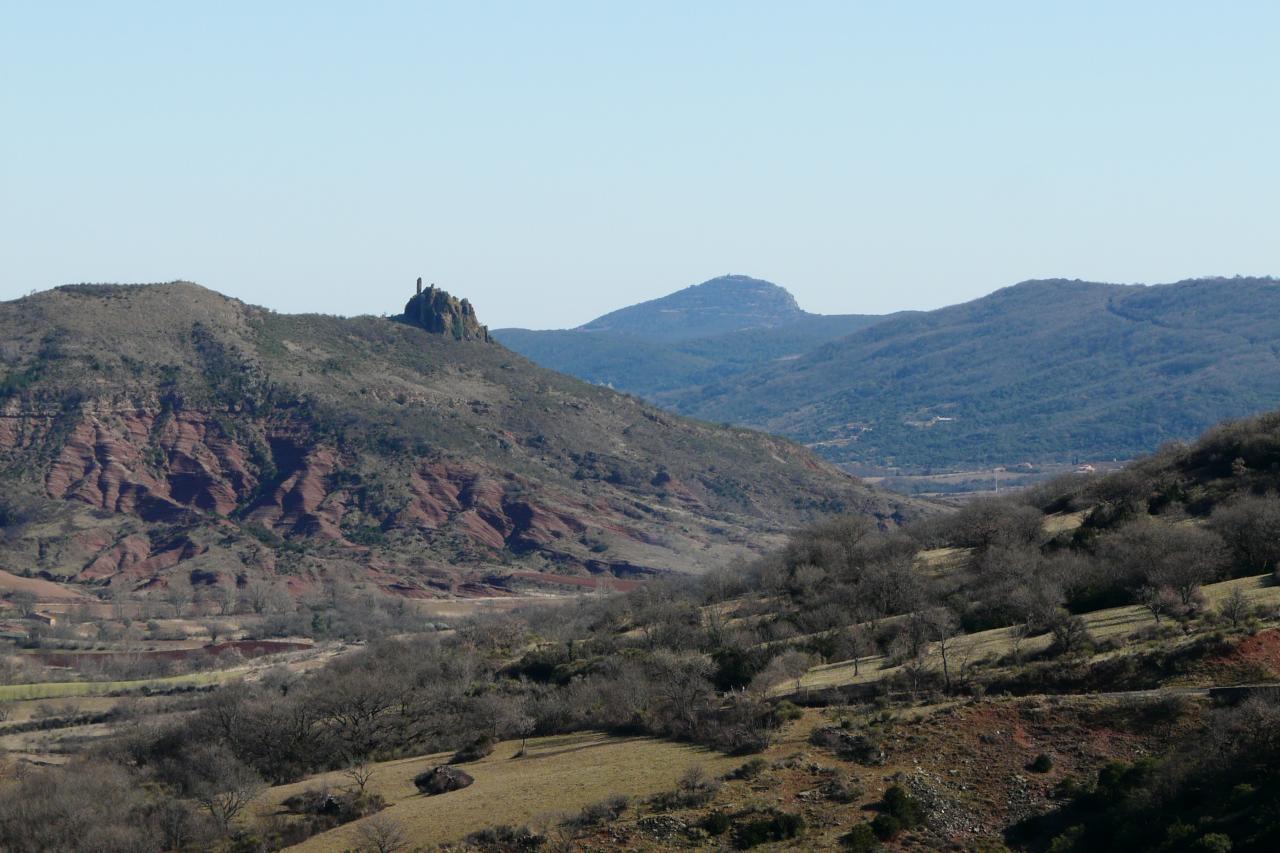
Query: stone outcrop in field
442	780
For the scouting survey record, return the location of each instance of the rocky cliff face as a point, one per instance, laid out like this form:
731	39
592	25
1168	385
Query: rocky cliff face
438	312
146	474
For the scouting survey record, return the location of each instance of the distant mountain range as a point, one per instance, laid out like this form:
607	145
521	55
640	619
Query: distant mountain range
689	339
152	429
1042	371
730	303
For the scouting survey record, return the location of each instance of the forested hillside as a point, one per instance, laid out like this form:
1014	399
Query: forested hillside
697	336
1042	371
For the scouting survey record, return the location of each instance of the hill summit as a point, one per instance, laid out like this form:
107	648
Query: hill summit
729	303
155	429
698	336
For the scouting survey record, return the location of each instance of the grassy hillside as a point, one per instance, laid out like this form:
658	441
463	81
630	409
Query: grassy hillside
150	429
557	775
1044	370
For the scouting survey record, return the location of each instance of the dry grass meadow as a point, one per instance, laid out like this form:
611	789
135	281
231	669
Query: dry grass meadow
558	775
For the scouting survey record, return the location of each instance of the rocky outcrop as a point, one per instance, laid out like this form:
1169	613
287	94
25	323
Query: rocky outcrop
489	510
300	505
134	558
190	468
139	463
438	312
442	780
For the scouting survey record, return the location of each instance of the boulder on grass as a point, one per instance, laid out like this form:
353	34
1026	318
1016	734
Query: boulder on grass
441	780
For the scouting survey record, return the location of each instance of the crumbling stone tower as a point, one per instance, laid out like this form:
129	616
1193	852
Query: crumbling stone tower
439	313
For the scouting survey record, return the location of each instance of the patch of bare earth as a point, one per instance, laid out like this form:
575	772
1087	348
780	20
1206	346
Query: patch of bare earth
968	763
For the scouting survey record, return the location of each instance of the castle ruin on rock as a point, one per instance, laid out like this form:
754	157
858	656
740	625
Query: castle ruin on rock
436	311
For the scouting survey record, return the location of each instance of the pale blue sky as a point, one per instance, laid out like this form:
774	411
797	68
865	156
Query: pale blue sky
553	161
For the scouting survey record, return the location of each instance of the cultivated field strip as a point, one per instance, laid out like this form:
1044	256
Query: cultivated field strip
1102	624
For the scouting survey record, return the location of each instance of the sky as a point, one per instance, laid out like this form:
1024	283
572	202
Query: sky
553	160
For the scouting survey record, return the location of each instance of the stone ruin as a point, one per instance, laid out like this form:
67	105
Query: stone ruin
439	313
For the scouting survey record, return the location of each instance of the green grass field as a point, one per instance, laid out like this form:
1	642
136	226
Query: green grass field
61	689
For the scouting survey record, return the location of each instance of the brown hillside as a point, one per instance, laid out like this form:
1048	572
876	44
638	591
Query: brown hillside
160	428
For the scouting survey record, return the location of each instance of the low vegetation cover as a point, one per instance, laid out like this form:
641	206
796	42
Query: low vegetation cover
709	660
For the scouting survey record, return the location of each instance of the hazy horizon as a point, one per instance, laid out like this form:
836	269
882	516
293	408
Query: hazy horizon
485	321
556	163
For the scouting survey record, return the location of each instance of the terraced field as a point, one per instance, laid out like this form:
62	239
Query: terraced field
1102	624
62	689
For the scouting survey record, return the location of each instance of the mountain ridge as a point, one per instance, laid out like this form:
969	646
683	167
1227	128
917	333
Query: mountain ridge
727	303
148	429
694	336
1045	369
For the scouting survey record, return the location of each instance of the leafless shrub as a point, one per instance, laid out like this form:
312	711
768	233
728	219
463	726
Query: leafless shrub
382	834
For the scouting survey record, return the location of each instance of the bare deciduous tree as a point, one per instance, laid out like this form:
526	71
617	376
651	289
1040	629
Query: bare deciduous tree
1182	558
1235	606
1251	529
223	785
359	771
257	595
177	822
224	596
178	592
1158	600
119	595
941	625
988	522
1017	634
24	601
791	664
860	643
382	834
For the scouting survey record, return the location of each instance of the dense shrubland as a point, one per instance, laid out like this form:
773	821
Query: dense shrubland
1215	790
